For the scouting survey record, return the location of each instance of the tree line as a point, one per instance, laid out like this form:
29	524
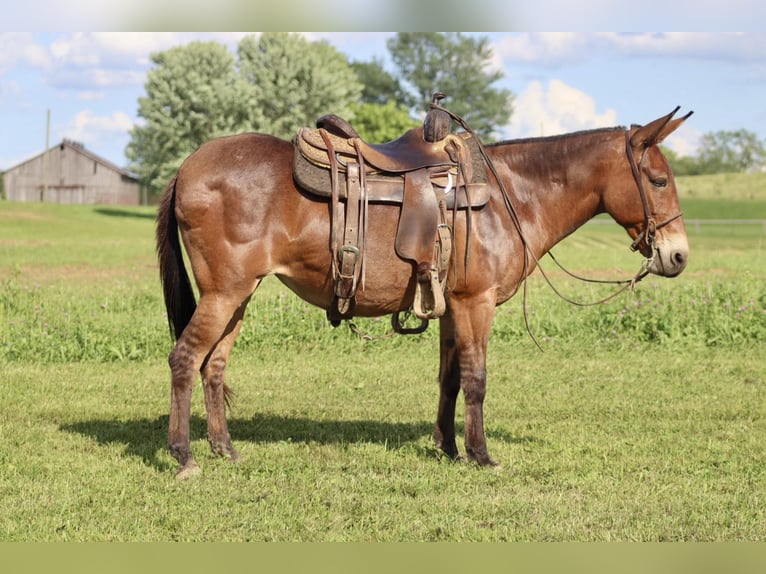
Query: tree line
277	83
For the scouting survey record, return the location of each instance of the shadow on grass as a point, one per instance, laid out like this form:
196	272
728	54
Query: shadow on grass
146	439
117	212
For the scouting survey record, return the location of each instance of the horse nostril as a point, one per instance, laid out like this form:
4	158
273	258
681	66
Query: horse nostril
679	258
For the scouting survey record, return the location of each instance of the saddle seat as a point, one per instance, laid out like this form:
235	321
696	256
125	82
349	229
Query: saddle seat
409	152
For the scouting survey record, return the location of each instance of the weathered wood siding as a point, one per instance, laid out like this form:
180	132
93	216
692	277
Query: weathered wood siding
75	175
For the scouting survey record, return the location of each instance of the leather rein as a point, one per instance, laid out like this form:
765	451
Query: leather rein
647	235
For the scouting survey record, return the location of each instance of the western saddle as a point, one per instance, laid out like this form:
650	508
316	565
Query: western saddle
428	171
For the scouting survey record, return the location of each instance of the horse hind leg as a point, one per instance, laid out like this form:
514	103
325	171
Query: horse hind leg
217	394
193	350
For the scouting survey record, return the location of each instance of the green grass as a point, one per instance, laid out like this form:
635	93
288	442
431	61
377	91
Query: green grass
744	187
643	419
608	445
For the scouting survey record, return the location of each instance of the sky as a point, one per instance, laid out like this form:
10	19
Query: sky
561	82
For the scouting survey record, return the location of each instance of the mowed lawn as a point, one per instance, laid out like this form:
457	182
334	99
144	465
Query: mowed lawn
644	419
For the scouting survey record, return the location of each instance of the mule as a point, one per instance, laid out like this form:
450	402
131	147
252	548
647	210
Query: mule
241	217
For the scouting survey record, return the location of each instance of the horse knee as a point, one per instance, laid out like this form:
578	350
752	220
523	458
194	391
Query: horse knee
181	362
474	388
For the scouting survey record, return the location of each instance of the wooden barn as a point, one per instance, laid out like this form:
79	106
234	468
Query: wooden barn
71	174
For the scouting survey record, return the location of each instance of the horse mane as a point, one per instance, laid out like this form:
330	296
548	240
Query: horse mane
557	137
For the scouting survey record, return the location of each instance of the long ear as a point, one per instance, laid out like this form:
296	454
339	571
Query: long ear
670	127
656	131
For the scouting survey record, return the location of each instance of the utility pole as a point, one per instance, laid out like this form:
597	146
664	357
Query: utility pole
46	174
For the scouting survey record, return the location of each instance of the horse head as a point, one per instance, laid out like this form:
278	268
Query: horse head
646	202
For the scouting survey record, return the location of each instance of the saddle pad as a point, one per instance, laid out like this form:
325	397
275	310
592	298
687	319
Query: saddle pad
382	188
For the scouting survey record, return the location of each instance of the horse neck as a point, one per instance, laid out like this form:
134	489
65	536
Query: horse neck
556	183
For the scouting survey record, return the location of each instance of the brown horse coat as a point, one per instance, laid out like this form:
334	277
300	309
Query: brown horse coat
241	218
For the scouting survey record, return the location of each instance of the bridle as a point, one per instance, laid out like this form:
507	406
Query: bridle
649	231
647	235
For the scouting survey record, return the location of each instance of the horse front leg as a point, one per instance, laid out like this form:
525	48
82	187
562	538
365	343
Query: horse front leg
464	339
449	387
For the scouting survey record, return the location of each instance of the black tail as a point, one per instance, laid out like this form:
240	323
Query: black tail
179	296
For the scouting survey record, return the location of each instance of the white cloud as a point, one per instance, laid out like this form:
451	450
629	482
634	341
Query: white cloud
684	141
20	47
543	48
555	109
723	46
88	128
556	49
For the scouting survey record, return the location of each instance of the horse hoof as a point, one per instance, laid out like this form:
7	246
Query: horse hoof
187	471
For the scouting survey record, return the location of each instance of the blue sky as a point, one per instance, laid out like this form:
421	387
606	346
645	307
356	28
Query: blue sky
562	82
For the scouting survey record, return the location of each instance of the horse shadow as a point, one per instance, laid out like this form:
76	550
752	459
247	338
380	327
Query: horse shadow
146	438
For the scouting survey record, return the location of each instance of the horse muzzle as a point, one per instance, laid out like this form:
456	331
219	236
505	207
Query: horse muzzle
670	256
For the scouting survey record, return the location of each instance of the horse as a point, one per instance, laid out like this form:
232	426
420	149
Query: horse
237	210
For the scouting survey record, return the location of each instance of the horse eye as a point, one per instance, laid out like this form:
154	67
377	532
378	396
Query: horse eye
659	182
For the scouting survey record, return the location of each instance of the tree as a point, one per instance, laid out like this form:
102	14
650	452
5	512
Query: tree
681	164
192	94
379	87
730	151
458	66
294	81
382	122
199	91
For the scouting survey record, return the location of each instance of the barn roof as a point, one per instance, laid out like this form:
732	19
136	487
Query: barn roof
80	148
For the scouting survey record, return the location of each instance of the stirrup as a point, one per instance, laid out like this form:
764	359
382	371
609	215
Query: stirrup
429	297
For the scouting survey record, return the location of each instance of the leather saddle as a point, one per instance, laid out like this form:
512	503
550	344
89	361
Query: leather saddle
427	171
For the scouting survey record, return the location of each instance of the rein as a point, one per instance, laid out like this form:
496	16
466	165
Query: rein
647	235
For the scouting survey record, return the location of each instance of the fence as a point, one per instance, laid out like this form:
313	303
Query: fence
697	224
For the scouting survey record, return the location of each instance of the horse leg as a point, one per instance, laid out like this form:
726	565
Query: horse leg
210	320
216	391
464	342
449	387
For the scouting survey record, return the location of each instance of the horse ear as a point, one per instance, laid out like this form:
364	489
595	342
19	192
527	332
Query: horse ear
670	127
656	131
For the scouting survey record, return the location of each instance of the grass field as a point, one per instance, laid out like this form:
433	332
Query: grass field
643	419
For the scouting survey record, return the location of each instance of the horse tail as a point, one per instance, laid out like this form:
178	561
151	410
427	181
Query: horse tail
179	296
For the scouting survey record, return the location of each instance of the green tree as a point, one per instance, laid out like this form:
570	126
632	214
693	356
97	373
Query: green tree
192	94
458	66
681	164
379	87
381	122
294	81
731	151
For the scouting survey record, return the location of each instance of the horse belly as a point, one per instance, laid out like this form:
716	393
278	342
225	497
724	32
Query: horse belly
386	282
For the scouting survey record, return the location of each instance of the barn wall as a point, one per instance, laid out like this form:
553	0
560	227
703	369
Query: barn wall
74	177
